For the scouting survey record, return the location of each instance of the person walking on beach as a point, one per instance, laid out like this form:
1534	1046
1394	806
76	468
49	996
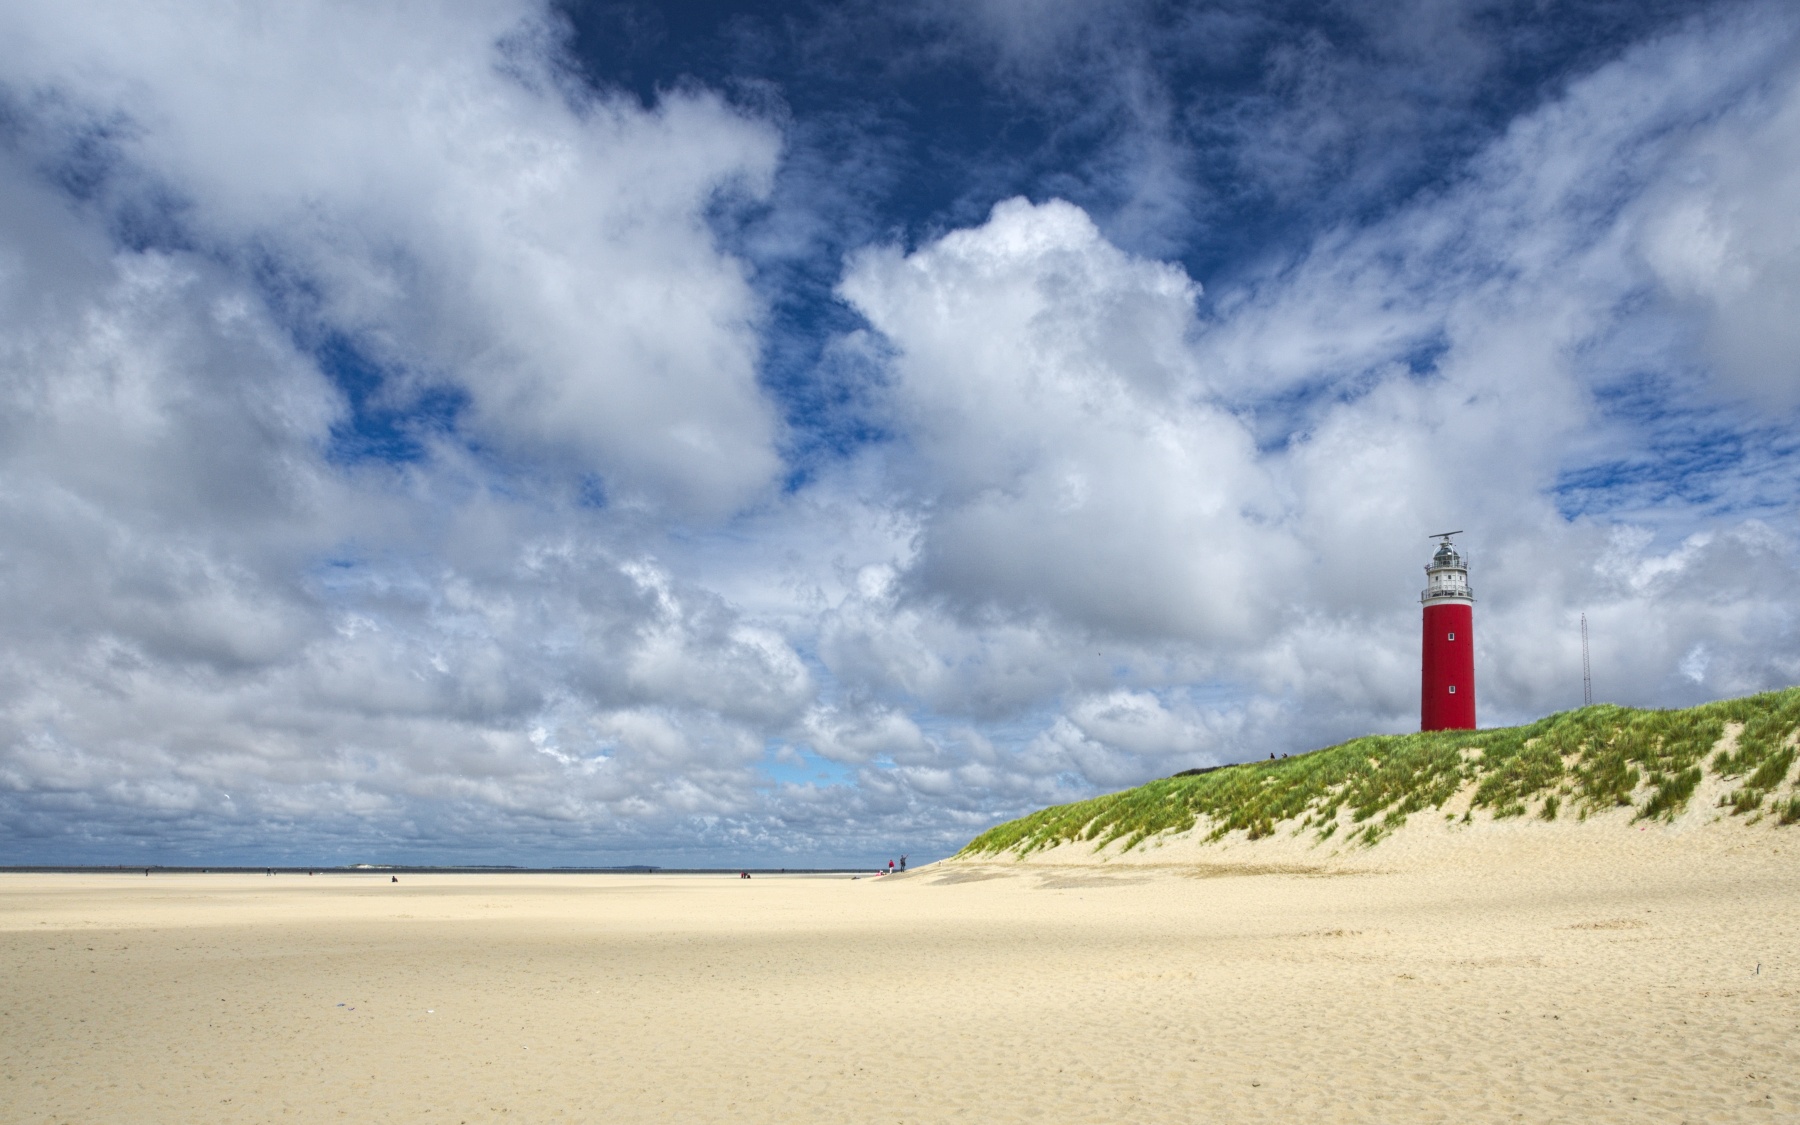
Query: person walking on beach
903	863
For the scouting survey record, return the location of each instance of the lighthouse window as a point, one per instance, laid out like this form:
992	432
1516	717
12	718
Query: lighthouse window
1453	636
1452	689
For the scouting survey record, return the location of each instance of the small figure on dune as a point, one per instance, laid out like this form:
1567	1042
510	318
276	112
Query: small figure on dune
903	863
393	878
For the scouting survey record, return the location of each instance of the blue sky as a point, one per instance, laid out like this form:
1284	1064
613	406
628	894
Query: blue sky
801	434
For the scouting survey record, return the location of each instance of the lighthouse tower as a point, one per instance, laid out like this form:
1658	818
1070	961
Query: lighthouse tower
1447	672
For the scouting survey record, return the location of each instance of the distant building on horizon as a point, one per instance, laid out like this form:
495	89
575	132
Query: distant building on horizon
1447	657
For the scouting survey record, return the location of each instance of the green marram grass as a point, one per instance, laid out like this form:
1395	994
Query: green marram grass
1568	764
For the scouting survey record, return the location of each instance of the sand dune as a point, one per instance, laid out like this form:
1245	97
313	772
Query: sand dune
1530	972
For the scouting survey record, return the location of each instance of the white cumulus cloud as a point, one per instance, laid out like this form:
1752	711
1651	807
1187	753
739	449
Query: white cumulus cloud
1114	525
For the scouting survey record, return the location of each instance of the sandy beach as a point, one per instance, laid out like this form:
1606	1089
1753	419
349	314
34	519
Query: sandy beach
1532	972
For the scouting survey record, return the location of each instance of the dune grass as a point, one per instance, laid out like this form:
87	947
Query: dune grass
1570	763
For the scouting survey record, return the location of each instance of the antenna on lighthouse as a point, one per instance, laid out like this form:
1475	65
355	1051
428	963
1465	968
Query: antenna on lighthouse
1587	675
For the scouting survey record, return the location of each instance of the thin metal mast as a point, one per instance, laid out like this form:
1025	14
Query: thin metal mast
1587	674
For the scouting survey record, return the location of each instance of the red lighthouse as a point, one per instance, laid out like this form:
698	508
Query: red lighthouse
1447	672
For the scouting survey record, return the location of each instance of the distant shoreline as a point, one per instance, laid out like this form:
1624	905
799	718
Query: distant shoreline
403	869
